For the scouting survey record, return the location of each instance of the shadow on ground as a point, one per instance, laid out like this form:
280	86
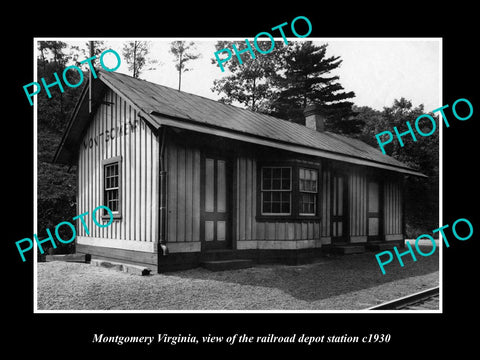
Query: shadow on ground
325	278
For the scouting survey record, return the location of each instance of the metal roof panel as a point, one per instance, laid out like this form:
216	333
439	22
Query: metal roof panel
158	99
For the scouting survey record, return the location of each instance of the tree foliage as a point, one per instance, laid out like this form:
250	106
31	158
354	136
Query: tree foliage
250	82
284	81
78	53
56	184
183	54
307	79
423	155
135	54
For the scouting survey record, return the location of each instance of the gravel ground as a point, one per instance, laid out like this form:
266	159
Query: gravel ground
332	283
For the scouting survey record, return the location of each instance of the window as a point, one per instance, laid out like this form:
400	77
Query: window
307	186
288	191
111	185
276	190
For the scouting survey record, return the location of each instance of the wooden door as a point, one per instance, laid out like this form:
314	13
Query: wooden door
374	213
339	216
216	202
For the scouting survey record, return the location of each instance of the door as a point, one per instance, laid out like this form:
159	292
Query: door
216	202
339	208
374	215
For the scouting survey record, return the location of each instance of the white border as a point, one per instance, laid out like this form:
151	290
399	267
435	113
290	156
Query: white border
35	197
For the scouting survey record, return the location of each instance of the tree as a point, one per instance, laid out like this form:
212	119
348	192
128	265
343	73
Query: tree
53	58
135	54
250	82
56	184
79	54
422	155
306	79
182	54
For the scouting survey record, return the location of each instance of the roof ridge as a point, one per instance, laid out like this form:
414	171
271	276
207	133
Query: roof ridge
153	98
237	108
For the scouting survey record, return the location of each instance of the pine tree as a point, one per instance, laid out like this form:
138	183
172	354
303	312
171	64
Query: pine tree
307	79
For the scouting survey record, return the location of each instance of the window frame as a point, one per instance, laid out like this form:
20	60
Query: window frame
105	162
295	192
300	192
289	191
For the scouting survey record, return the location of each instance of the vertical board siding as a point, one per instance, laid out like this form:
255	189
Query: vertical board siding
242	200
250	194
172	193
127	187
183	192
326	203
117	130
393	208
138	177
196	196
189	199
247	228
357	203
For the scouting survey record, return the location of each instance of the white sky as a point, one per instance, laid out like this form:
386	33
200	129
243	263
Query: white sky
377	70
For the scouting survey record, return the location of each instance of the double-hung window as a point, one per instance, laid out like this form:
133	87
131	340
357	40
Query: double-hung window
308	189
112	185
288	192
276	190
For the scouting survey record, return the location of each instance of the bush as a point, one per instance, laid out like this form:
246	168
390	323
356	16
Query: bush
56	203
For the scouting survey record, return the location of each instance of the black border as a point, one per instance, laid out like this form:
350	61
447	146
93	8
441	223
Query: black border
423	334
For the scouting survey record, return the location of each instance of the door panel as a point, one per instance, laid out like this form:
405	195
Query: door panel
221	186
216	212
209	226
209	184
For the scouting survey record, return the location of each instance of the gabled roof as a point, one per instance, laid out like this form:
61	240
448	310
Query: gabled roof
164	106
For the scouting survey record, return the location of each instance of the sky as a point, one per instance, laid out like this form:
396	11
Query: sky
378	70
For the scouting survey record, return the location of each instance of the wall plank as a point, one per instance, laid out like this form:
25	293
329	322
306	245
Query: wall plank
316	230
270	230
172	193
290	231
148	165
196	196
183	193
393	207
242	201
253	175
138	182
280	231
260	231
110	135
298	231
181	196
127	215
188	195
248	199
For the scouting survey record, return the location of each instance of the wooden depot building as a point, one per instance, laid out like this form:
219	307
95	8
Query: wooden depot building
191	180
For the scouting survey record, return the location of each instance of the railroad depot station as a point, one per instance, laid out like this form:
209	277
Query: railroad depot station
193	181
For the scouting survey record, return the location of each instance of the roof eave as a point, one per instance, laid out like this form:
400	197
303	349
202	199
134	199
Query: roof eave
255	139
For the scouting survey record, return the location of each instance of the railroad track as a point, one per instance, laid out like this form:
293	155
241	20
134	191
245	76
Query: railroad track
423	300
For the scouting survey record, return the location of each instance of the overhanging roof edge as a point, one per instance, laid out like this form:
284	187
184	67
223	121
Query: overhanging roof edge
78	105
204	128
127	99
